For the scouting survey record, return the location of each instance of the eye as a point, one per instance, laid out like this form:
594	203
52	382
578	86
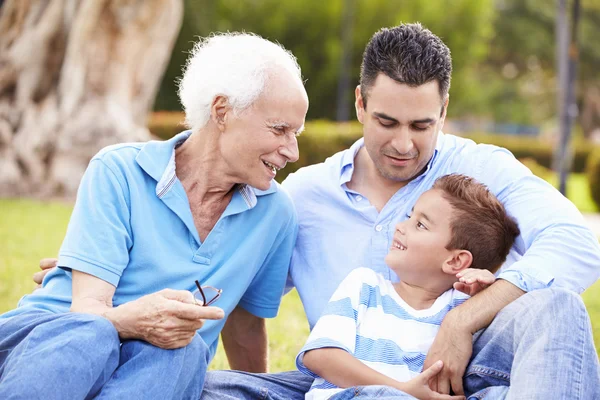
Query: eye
279	130
386	124
420	128
421	226
407	215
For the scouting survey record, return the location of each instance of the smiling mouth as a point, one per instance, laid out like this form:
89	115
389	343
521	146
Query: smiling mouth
398	245
274	168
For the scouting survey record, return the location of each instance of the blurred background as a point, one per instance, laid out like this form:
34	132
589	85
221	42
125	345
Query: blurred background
76	76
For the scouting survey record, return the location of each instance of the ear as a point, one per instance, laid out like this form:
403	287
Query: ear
458	261
219	110
444	112
359	105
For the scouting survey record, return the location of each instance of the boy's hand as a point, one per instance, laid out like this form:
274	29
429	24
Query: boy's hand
472	281
419	385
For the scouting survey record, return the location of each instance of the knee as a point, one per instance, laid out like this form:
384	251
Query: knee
96	329
198	348
553	303
557	299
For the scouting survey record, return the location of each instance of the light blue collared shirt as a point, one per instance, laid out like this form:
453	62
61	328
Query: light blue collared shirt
132	227
339	230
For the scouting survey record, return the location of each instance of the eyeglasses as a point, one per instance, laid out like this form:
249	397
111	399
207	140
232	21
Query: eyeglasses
206	295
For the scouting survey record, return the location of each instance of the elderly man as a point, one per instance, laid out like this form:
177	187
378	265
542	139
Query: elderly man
539	345
154	221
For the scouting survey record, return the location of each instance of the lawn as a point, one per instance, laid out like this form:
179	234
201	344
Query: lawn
31	230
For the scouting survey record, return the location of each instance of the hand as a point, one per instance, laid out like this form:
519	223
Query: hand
472	281
46	264
453	345
418	386
167	319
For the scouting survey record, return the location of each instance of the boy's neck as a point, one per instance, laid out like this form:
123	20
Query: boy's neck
419	298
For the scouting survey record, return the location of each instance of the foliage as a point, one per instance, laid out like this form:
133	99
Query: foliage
312	30
593	173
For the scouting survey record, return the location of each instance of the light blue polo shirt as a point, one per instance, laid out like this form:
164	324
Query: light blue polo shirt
340	230
132	227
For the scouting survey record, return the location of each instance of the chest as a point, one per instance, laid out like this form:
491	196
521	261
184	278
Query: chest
206	215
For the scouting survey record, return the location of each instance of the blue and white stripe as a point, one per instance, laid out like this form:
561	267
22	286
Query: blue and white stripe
367	318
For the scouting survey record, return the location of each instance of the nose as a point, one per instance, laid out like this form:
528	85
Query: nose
400	227
290	149
402	141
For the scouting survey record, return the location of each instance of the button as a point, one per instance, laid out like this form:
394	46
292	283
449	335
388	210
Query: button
359	198
378	228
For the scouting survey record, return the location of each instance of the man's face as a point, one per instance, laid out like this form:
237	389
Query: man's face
401	125
262	139
418	250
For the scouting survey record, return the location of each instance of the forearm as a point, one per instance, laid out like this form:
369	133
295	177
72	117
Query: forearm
118	316
479	311
343	370
245	341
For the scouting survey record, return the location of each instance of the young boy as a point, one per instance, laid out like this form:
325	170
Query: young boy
375	332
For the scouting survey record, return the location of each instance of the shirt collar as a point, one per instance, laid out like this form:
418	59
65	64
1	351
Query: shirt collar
347	164
157	159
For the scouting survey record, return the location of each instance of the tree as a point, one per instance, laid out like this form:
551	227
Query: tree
76	76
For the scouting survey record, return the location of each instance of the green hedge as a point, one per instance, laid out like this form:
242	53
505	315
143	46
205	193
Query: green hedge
324	138
593	174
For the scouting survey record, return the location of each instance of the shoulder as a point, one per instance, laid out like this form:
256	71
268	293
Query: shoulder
119	156
317	177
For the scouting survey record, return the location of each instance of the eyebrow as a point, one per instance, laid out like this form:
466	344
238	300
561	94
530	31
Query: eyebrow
284	125
392	119
424	216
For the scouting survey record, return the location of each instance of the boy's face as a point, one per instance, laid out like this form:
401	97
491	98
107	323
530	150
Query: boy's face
419	247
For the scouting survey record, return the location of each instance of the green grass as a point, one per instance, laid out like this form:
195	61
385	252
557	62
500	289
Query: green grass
31	230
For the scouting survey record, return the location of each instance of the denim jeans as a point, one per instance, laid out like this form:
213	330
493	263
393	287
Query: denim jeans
79	356
538	347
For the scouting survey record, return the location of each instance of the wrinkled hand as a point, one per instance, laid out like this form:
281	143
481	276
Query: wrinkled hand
419	388
46	264
167	319
453	346
472	281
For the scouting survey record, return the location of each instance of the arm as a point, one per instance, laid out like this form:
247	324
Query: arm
343	370
555	248
245	341
168	319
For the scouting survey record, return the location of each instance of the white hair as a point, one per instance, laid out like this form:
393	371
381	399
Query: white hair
234	65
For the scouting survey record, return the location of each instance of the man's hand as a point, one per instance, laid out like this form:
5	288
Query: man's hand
167	319
418	386
472	281
453	345
46	264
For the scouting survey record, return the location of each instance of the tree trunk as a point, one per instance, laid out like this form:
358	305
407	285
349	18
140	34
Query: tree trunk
76	76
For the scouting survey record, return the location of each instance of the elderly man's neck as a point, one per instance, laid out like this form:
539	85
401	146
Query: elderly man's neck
201	169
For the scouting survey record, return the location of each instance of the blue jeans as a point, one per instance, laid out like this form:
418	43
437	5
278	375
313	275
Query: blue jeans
538	347
79	356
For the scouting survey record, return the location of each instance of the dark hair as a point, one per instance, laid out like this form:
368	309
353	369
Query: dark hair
409	54
479	223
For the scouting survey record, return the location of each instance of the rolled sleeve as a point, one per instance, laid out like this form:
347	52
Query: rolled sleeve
556	247
99	235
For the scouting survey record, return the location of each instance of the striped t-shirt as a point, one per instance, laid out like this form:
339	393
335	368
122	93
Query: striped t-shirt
367	318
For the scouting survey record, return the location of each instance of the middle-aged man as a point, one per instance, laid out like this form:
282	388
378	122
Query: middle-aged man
155	220
528	336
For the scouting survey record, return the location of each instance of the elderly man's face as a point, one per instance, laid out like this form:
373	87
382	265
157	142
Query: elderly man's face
262	139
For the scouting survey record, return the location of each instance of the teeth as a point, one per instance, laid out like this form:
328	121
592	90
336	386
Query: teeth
272	166
399	246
